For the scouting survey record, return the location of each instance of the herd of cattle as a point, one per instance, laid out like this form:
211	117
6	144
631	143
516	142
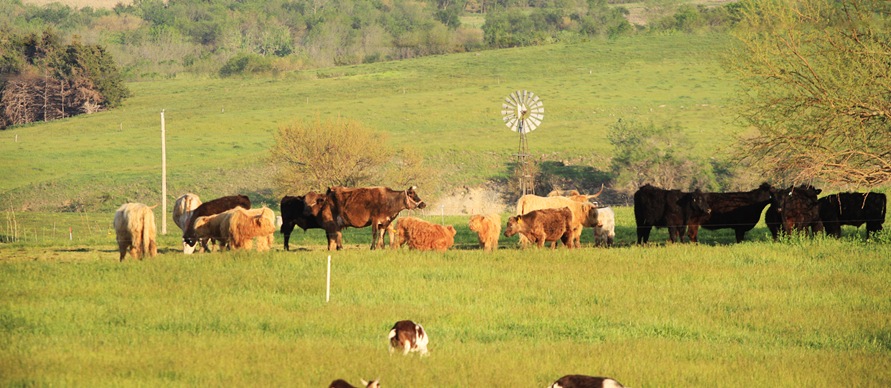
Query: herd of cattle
561	216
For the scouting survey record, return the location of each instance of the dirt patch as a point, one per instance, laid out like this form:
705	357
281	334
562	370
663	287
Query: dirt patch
469	200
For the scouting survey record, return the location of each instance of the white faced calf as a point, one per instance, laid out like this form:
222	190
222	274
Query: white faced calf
408	336
582	381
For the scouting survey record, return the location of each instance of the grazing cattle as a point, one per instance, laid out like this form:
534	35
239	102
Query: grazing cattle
134	226
656	207
244	225
339	383
739	211
182	212
408	336
795	208
487	228
293	213
540	226
422	235
208	208
342	207
853	209
582	381
605	230
182	209
211	228
584	213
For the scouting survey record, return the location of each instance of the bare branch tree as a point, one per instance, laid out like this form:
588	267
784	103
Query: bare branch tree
817	79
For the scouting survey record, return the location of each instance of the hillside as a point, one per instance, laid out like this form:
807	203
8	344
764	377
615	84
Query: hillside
448	107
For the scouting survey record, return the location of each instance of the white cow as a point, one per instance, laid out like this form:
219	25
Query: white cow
605	230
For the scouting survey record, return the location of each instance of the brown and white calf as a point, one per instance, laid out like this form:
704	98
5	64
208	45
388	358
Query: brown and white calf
409	336
340	383
582	381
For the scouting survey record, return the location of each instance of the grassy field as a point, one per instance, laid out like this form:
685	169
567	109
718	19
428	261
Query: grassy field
447	107
800	312
796	313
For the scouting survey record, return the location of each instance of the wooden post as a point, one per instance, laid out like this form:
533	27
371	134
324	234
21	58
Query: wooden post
163	176
328	282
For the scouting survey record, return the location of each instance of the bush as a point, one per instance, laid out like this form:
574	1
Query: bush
243	64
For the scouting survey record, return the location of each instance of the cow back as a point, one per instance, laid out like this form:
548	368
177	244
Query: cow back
215	206
737	209
852	209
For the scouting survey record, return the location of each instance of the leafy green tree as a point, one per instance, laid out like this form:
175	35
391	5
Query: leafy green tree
340	152
817	89
654	154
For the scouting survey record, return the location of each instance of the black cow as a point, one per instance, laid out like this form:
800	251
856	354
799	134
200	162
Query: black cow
852	209
210	208
666	208
293	214
795	208
739	211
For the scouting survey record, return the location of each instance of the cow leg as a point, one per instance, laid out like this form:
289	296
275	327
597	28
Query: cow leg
122	248
286	230
693	233
740	235
332	241
643	234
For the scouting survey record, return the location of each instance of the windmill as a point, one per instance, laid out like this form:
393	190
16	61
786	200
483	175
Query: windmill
522	112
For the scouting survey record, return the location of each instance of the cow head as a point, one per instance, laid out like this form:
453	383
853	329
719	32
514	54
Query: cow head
313	202
513	226
764	193
412	200
797	206
698	203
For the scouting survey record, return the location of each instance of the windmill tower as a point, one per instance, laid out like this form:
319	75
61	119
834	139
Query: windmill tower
522	112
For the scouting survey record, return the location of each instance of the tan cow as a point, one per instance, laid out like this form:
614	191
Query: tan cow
540	226
422	235
134	226
244	225
487	228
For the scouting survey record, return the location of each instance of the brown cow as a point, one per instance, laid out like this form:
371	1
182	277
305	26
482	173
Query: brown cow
543	225
358	207
487	228
422	235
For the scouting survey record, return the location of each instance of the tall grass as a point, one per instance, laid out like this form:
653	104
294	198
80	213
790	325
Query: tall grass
803	312
749	314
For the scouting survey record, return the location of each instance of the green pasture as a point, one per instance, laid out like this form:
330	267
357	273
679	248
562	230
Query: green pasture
801	312
448	107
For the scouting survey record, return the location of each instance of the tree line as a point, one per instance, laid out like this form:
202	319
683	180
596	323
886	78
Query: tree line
44	79
158	38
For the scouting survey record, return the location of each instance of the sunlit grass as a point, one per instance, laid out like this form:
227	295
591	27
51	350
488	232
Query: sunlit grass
793	313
